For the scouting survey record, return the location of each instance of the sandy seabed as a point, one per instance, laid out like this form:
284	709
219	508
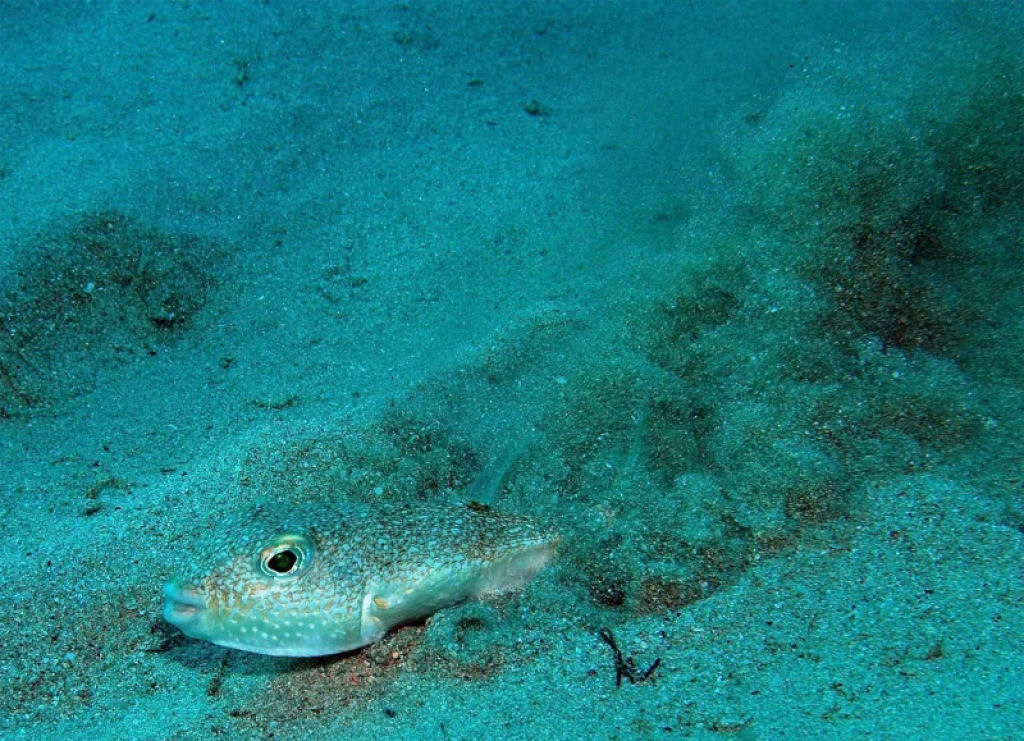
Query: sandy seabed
727	293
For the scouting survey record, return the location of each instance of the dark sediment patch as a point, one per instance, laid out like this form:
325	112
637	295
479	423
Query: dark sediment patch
757	400
104	291
399	457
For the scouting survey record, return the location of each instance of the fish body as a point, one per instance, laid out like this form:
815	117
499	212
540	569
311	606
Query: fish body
315	579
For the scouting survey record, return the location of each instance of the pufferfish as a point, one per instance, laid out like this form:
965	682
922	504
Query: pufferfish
315	579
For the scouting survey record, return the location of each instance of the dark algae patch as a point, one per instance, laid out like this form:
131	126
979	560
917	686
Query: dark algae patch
103	291
831	336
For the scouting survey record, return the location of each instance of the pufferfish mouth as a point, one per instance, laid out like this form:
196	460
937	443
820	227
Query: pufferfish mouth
182	606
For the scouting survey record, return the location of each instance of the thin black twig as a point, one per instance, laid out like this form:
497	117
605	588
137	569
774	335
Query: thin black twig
624	667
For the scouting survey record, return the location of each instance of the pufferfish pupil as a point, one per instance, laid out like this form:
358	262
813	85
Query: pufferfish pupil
321	578
282	562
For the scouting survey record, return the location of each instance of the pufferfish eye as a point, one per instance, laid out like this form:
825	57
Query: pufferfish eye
286	556
283	561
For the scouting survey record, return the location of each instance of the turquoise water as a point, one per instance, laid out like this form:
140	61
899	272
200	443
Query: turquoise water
728	294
